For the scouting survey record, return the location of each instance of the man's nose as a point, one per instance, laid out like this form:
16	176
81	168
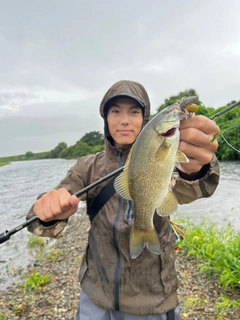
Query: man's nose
125	118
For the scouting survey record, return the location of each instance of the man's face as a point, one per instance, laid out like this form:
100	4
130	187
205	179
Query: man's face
125	119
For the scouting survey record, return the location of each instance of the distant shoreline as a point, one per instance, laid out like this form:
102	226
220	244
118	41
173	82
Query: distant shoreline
4	163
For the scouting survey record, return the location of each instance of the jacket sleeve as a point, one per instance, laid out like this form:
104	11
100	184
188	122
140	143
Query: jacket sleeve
188	189
73	182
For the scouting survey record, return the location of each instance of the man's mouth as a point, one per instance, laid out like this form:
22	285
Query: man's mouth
124	131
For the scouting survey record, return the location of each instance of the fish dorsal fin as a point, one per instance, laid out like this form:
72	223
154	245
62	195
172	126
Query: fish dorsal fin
168	205
180	158
121	183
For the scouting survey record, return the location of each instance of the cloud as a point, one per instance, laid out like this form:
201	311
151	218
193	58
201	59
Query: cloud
57	60
44	133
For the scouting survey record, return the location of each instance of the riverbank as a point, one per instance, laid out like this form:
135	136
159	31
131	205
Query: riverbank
59	298
4	163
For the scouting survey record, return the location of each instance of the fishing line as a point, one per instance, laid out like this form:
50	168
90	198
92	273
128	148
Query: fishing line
219	114
229	143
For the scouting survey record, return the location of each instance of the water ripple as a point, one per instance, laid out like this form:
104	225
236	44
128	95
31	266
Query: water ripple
21	182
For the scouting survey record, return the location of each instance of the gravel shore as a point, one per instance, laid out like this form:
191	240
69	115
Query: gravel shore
59	299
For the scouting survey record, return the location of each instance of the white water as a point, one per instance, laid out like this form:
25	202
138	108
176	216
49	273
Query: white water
21	182
224	205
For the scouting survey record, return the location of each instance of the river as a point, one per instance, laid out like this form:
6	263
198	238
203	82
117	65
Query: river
21	182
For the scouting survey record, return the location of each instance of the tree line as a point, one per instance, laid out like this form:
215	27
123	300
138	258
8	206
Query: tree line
93	141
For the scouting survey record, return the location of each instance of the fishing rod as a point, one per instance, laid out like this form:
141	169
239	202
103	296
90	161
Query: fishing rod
225	110
219	114
7	234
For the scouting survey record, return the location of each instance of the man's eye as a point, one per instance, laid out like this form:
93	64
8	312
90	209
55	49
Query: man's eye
113	110
136	111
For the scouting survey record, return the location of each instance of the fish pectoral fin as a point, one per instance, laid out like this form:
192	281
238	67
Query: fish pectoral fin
141	239
121	183
168	205
162	149
121	186
180	158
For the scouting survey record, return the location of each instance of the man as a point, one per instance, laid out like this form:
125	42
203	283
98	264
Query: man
114	286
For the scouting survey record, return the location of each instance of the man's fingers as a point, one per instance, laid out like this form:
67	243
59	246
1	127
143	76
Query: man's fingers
201	155
191	167
63	198
57	204
42	208
74	201
196	137
198	140
201	123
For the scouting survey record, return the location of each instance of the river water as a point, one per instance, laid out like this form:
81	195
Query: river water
21	182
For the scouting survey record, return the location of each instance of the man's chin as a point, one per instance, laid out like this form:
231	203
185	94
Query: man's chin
123	143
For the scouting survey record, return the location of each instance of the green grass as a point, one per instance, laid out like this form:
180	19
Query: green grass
192	303
1	165
54	253
218	251
36	280
35	241
224	303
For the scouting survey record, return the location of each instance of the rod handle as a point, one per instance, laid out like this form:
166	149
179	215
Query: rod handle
4	236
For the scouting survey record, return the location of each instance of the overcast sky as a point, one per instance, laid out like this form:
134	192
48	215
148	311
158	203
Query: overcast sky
58	58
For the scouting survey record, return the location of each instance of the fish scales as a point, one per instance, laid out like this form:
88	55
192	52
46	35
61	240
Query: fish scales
146	177
147	192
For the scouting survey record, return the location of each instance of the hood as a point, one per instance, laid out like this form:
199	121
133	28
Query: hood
126	88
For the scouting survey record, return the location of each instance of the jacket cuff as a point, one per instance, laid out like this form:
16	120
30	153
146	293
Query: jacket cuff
196	175
50	223
187	190
45	229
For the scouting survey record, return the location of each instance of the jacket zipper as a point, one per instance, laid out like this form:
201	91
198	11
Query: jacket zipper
118	264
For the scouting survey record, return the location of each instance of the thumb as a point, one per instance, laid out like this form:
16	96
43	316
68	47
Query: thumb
73	201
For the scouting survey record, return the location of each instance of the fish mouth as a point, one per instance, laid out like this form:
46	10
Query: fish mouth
168	133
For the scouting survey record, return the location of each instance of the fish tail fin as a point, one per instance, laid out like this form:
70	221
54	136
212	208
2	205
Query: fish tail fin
141	239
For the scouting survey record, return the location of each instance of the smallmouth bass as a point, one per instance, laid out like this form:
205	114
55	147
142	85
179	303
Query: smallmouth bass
147	174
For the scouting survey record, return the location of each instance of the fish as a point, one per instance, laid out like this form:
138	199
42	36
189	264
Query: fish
147	174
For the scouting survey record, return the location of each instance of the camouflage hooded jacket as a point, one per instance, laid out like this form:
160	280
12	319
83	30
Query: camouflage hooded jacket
110	278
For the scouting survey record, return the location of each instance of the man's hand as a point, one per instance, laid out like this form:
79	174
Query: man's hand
198	140
56	205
